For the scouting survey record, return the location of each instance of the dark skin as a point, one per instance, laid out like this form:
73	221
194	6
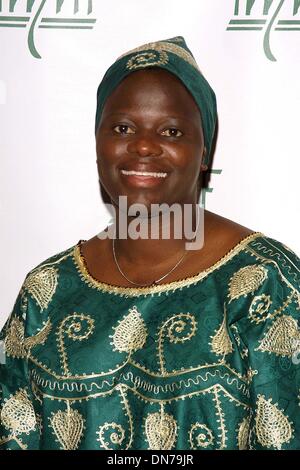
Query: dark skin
152	118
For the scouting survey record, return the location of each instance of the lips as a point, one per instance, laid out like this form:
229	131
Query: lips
140	168
143	176
150	174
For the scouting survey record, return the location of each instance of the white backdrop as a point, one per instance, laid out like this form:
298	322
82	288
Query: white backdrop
48	180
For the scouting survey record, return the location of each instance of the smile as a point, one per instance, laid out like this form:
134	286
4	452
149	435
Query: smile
144	173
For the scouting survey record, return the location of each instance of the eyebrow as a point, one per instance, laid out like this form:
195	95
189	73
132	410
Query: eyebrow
182	118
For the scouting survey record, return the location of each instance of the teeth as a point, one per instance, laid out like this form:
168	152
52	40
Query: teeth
144	173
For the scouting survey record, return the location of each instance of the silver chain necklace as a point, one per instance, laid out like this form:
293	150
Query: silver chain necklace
157	280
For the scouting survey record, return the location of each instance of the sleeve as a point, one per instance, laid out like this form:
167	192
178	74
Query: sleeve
272	333
19	421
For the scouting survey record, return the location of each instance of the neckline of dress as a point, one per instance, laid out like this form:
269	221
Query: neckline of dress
86	276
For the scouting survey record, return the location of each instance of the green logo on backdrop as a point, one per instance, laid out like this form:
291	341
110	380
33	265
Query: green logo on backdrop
33	18
267	20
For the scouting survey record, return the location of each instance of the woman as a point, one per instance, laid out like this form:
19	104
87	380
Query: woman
139	343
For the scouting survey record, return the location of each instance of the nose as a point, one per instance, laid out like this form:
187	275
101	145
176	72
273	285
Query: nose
144	144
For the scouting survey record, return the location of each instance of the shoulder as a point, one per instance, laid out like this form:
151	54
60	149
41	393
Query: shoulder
259	249
277	257
57	259
38	296
42	281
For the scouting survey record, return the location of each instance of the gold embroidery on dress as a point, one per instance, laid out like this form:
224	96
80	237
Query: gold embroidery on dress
14	340
178	329
128	360
282	338
68	427
220	418
18	417
259	308
251	373
245	280
243	433
285	262
16	345
127	292
38	338
277	253
131	333
272	427
200	436
221	343
161	430
77	327
138	383
42	284
111	435
116	435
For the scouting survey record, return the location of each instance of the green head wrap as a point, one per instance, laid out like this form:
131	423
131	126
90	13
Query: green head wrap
172	55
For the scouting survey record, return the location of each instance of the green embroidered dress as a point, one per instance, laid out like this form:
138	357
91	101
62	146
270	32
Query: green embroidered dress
208	362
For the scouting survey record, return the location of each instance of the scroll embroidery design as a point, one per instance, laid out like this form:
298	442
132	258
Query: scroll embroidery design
200	436
177	329
77	327
112	435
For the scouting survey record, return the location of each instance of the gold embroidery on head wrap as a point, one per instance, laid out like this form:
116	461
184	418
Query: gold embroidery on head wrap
282	338
162	47
161	430
131	333
246	280
42	284
68	427
147	59
272	427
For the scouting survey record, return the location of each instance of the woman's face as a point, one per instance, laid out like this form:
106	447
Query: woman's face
150	123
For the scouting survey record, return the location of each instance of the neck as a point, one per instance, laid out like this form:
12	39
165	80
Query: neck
135	242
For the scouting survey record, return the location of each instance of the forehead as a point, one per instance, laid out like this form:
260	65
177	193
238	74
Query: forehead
153	87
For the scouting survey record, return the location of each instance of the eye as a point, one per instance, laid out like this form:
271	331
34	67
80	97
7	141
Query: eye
123	129
172	132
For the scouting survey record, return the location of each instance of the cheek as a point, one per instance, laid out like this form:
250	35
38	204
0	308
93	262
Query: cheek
109	149
185	157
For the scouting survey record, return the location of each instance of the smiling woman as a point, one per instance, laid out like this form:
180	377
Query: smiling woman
100	353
